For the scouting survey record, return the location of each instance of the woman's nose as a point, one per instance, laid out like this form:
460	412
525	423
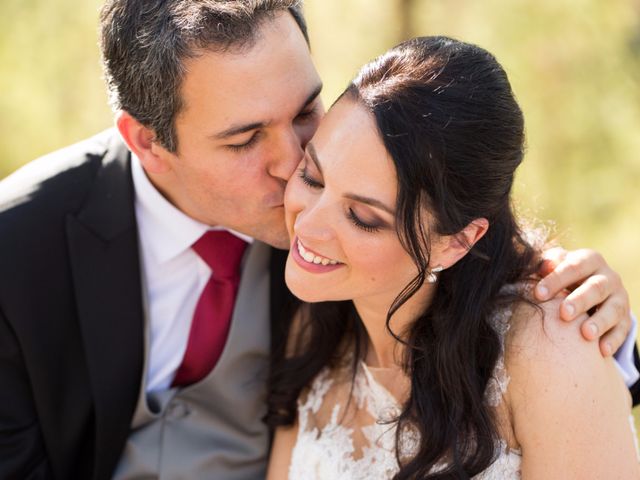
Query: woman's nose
314	223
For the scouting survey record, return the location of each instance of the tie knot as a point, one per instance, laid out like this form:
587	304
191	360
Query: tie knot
222	251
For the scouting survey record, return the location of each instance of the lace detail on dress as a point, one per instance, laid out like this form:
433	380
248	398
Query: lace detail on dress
356	441
328	451
347	429
499	381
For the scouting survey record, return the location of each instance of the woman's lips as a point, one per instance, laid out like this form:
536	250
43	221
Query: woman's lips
310	261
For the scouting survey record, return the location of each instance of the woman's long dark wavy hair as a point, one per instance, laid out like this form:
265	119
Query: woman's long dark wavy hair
448	118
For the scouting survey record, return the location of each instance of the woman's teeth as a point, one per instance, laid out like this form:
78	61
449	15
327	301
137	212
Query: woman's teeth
312	258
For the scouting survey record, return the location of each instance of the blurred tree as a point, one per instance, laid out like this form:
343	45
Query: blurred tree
405	8
51	88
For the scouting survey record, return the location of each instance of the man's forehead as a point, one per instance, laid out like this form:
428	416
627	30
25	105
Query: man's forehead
278	48
270	32
256	85
247	122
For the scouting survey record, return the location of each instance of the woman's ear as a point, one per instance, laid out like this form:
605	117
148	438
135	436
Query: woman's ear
475	231
458	245
141	141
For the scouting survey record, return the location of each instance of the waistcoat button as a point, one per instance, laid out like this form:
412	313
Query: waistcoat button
177	410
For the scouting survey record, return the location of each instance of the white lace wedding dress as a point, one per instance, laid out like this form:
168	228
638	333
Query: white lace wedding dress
345	433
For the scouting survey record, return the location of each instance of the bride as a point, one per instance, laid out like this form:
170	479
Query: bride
419	351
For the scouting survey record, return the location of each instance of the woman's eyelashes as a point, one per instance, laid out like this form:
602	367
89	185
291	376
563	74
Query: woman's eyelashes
351	214
360	224
308	180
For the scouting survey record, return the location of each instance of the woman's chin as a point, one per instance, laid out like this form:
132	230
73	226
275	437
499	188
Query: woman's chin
301	287
303	292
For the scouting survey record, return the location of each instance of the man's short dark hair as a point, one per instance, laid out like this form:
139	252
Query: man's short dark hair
145	42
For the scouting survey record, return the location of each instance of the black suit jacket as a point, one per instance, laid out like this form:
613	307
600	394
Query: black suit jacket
71	316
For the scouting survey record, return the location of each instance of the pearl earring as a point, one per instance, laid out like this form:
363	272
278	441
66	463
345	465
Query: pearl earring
431	276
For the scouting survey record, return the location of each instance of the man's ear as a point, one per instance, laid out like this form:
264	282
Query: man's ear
141	141
458	245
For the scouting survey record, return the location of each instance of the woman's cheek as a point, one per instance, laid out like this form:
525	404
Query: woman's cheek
294	201
292	194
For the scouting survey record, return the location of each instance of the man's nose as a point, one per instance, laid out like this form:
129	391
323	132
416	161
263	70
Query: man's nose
286	156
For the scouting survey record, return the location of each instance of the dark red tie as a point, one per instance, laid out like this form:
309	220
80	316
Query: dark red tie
222	251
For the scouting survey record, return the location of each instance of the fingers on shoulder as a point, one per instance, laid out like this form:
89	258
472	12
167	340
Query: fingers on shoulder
551	364
538	333
544	351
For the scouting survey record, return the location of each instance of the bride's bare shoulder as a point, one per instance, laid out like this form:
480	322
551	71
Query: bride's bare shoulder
538	333
563	392
544	352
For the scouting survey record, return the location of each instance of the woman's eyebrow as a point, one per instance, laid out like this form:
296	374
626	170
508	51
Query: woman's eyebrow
370	201
353	196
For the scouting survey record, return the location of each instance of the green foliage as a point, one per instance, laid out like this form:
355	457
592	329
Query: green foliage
51	88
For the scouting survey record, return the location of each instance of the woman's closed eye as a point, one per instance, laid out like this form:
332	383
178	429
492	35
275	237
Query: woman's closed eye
367	227
308	180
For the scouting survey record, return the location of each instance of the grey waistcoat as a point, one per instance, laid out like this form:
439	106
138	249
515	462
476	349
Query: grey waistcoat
212	429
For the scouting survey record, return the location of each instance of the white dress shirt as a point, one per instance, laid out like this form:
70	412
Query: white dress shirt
174	276
624	356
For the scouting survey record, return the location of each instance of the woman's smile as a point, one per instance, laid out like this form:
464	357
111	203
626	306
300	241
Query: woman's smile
311	261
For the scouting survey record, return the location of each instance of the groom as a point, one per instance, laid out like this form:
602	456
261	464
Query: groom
106	370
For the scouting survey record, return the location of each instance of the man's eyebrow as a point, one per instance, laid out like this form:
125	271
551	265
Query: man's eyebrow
314	94
238	129
358	198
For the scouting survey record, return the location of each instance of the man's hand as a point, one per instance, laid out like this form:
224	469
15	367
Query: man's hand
593	285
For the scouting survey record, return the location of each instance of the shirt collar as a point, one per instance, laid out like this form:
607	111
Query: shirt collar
164	229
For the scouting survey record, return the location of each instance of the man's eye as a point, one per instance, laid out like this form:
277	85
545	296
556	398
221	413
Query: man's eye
307	114
244	146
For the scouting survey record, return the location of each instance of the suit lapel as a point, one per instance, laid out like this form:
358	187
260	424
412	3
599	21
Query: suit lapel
103	247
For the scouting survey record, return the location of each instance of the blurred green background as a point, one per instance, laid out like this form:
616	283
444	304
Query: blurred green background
574	65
